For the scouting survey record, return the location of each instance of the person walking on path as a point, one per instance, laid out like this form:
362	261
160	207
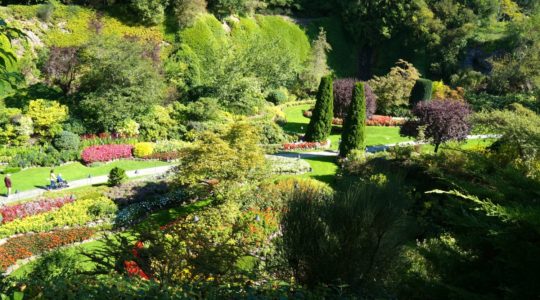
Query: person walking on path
52	178
7	183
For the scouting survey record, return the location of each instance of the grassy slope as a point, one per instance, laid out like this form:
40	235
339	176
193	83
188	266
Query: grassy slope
38	177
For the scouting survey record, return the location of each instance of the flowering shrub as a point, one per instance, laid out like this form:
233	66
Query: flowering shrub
77	213
19	211
25	246
105	153
304	145
143	149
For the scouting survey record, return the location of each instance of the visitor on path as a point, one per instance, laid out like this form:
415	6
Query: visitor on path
59	179
52	179
7	183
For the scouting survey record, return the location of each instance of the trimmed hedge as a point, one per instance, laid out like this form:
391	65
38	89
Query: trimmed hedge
354	129
421	91
320	125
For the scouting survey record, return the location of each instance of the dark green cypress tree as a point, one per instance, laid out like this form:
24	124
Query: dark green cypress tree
421	91
320	126
354	129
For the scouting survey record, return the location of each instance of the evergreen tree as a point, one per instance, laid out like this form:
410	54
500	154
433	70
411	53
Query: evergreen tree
321	121
421	91
354	129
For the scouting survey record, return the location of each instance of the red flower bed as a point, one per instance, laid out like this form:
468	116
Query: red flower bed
377	120
105	153
303	145
25	246
19	211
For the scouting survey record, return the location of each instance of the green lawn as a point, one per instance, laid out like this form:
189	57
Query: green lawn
376	135
39	177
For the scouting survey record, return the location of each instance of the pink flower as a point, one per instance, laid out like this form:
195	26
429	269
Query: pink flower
103	153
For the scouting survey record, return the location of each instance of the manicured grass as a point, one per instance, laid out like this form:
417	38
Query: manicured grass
39	177
375	135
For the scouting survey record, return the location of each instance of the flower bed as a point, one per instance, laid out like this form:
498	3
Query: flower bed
132	213
305	145
378	120
288	165
25	246
20	211
375	120
104	153
77	213
164	156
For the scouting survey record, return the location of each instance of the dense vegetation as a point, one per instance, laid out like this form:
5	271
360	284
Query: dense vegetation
227	96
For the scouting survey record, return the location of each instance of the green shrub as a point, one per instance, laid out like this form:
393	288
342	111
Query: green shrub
422	91
278	96
320	125
148	12
67	141
117	176
10	170
354	129
45	12
143	149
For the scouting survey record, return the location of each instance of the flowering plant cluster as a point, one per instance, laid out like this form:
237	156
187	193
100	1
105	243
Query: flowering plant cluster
105	153
73	214
27	245
19	211
133	212
288	165
377	120
304	145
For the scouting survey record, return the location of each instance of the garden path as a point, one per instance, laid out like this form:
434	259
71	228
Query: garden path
85	182
372	149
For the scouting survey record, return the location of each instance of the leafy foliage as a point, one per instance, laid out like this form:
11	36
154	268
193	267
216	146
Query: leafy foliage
320	124
116	176
47	117
352	239
121	84
354	128
421	91
394	89
343	94
439	121
62	68
67	141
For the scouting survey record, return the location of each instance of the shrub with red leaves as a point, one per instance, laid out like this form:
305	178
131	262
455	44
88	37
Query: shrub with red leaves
105	153
19	211
441	120
25	246
343	93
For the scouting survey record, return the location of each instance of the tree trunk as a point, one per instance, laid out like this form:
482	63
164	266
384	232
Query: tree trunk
437	147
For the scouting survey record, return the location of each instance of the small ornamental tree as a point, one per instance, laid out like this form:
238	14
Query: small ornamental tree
439	121
354	129
343	94
321	121
421	91
117	176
